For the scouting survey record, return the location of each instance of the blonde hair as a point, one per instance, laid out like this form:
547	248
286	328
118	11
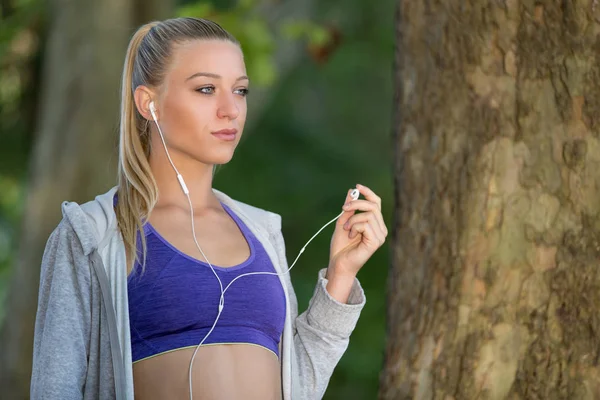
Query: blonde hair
146	62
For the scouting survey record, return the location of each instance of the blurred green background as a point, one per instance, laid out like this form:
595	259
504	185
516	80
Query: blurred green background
318	124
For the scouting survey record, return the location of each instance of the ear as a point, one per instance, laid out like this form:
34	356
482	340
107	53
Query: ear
143	96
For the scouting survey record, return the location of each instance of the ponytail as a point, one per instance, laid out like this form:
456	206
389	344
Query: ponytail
137	192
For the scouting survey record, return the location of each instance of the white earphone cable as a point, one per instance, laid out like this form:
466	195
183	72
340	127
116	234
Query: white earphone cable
222	298
186	193
288	270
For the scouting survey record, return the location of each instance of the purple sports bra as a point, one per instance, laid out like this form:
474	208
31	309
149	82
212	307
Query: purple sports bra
174	303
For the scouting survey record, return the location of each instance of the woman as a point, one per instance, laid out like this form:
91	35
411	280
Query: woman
126	293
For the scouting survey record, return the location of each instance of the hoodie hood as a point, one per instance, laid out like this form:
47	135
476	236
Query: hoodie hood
91	221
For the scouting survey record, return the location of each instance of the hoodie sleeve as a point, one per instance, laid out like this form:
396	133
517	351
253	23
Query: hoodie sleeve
322	332
62	324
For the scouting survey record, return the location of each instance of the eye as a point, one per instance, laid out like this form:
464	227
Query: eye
243	91
206	90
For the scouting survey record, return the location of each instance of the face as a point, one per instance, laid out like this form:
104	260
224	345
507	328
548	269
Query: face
204	91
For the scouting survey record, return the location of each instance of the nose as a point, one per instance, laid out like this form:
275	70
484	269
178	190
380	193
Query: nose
228	107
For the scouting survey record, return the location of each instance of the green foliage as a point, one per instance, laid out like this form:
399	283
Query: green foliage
25	12
325	130
315	34
11	209
248	25
18	44
250	28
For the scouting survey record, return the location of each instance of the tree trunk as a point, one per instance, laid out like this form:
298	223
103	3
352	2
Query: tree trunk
494	285
74	156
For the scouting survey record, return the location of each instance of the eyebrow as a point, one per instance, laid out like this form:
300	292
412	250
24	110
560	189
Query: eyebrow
211	75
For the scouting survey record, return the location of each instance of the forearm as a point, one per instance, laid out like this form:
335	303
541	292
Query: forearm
322	335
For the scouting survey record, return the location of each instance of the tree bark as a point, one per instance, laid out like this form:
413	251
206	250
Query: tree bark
494	288
75	151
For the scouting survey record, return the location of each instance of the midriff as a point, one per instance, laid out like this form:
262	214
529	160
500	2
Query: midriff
220	372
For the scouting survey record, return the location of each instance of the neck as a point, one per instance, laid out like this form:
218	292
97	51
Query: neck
197	177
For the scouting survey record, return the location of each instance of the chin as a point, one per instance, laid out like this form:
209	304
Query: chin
212	155
217	160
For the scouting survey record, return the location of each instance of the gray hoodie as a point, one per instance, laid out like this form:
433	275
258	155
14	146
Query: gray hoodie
82	347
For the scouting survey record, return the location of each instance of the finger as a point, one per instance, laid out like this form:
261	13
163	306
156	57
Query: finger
381	222
379	218
367	231
347	213
348	197
369	195
362	205
375	234
370	216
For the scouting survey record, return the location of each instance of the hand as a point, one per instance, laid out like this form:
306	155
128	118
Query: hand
357	236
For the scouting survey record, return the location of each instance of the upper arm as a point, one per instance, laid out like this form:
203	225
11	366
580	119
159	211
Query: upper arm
63	318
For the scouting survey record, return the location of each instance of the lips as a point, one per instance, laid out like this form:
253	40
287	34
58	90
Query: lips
225	134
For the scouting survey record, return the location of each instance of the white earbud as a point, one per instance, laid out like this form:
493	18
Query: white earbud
153	111
179	177
355	193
